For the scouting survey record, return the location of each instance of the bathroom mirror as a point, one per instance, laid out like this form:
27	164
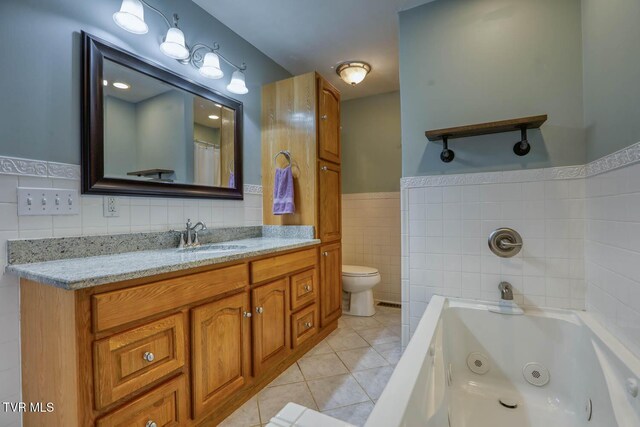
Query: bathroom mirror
148	131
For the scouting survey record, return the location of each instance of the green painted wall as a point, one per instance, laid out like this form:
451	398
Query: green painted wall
371	144
471	61
611	33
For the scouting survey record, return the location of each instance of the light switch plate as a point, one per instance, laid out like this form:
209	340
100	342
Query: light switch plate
48	201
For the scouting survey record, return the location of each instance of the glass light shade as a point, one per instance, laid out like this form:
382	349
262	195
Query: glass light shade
131	17
237	84
354	72
174	44
211	66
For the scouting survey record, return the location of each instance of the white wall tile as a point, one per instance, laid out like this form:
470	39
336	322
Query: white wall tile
371	236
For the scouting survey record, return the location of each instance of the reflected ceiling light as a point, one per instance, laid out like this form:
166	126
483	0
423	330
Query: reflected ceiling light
218	105
211	66
353	72
105	83
237	84
131	17
214	117
120	85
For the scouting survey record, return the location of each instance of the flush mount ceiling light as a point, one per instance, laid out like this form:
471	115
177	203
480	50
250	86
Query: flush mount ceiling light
201	56
105	83
353	72
120	85
214	117
237	84
131	17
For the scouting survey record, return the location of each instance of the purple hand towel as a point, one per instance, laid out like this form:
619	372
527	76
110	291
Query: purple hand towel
232	180
283	192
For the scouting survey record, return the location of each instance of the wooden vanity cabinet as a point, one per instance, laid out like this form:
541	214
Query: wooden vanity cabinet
330	219
271	335
330	283
221	351
329	122
181	349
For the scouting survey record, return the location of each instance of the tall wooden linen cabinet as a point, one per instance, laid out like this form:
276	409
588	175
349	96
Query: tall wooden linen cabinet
302	116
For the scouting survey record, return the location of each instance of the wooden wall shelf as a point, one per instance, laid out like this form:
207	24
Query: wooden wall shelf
522	124
511	125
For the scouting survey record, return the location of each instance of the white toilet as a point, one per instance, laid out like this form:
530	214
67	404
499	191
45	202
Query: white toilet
358	283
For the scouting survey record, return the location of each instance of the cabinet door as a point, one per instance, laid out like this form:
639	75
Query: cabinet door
329	206
271	332
330	283
328	122
220	351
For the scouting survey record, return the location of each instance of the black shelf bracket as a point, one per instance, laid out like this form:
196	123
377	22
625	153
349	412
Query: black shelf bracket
522	147
446	155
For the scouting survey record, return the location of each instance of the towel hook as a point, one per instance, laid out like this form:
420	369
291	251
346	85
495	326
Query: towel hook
285	153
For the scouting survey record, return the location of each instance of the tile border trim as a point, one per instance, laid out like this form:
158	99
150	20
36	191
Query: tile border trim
44	169
616	160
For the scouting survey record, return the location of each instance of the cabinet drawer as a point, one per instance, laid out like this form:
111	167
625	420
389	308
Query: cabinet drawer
111	309
281	265
303	289
304	325
166	406
126	362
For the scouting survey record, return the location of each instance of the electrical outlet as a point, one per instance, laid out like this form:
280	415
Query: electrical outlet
48	201
111	206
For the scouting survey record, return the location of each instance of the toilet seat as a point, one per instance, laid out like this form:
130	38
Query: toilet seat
358	271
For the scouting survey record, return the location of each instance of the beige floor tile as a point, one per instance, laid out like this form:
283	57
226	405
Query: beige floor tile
272	399
337	391
357	323
379	335
374	380
291	375
321	348
324	365
388	319
244	416
391	351
354	414
361	358
346	340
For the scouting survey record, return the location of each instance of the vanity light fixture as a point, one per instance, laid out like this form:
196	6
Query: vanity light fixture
120	85
201	56
214	117
353	72
174	45
131	17
237	84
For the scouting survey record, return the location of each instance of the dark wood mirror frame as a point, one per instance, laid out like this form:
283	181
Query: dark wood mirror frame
95	51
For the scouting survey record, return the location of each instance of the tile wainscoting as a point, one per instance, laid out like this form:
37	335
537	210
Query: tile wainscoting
580	224
137	214
371	237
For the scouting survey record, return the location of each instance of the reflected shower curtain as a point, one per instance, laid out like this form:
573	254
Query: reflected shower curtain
206	164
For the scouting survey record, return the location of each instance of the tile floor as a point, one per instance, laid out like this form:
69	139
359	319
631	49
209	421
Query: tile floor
343	376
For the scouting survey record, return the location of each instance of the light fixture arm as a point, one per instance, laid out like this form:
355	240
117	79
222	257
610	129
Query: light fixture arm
160	13
196	57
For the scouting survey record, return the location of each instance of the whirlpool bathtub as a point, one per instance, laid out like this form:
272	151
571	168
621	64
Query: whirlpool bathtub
469	367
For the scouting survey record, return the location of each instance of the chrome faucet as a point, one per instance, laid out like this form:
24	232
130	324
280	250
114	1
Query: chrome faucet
506	291
191	234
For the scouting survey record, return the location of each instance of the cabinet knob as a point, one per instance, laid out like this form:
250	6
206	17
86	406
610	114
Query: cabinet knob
148	356
246	314
325	253
151	424
324	117
324	168
259	310
307	325
307	288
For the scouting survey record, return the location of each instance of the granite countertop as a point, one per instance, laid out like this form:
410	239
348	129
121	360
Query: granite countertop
79	273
